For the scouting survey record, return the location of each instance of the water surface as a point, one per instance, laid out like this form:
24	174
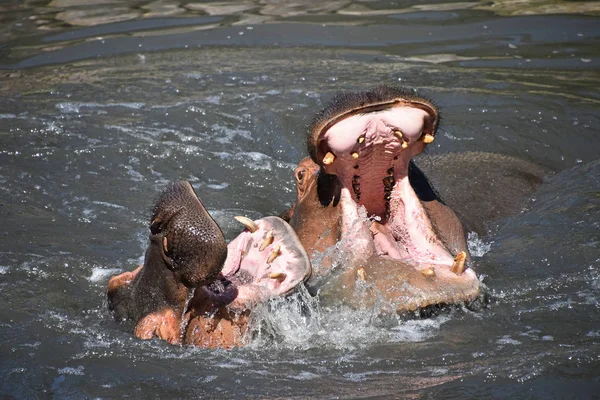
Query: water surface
101	106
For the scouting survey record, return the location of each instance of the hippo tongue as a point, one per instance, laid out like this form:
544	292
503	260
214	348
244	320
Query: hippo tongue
265	261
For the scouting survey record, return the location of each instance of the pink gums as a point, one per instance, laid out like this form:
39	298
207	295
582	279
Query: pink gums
374	174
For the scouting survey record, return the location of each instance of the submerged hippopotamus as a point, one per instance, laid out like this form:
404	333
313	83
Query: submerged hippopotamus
366	217
193	288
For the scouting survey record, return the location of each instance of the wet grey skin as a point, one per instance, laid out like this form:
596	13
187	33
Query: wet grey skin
186	250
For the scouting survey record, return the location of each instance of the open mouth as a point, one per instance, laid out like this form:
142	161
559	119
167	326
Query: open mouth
369	148
264	261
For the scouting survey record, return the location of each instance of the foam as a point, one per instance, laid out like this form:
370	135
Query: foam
102	274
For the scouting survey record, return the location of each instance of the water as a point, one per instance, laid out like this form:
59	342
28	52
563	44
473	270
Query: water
96	119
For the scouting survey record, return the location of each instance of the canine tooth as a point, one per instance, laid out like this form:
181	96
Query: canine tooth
280	276
428	138
248	223
404	144
165	247
355	155
267	241
458	266
329	158
361	139
361	274
274	254
429	272
398	133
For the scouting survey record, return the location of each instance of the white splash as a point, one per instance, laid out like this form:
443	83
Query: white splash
477	247
102	274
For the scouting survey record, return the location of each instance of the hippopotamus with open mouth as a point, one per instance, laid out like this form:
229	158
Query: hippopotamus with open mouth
193	288
366	217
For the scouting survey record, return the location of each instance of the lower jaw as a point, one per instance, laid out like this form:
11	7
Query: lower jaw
403	232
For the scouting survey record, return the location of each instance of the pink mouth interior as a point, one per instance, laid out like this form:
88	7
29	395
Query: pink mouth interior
374	175
249	276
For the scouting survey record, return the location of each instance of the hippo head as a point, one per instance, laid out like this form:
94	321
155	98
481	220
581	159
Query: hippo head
195	289
365	213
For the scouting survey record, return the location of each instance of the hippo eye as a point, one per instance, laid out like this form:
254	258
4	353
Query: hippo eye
300	175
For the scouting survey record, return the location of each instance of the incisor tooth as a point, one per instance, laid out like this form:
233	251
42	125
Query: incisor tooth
404	144
329	158
429	272
361	274
267	241
273	254
165	244
361	139
248	223
428	138
458	266
355	155
280	276
398	133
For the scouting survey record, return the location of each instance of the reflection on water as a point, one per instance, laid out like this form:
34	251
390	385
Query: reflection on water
96	119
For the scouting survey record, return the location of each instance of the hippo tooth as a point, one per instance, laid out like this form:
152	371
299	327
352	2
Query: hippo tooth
361	274
165	247
267	241
361	140
458	266
274	254
280	276
428	138
248	223
404	144
429	272
355	155
398	133
329	158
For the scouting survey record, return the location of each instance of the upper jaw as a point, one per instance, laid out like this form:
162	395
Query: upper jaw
370	151
376	100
